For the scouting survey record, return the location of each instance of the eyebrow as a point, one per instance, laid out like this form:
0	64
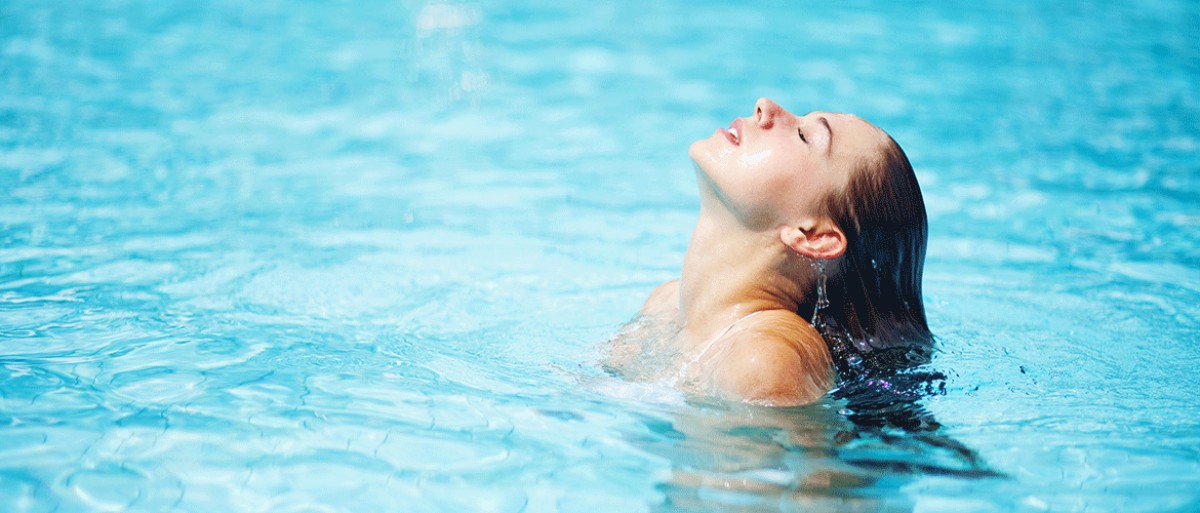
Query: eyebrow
829	148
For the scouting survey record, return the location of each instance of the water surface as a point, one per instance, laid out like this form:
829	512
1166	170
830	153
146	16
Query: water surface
300	256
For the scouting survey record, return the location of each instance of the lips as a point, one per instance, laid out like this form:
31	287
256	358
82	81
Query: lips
734	132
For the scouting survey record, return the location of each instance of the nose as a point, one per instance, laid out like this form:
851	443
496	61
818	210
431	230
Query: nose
766	112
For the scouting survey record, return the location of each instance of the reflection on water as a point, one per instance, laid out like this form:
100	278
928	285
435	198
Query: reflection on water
853	451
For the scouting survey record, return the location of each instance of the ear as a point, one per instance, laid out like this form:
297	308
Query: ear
816	238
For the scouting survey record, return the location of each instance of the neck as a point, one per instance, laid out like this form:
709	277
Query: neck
730	272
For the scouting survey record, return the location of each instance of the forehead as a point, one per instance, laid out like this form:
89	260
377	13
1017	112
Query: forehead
853	137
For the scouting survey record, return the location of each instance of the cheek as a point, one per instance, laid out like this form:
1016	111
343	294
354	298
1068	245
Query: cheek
767	175
782	192
762	192
754	160
761	186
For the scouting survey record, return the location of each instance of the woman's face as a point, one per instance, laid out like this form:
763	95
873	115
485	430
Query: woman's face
774	168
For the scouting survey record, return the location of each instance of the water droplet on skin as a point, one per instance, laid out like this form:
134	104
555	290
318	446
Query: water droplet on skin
754	159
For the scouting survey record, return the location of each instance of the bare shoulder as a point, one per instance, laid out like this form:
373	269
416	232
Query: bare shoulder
777	359
651	328
664	300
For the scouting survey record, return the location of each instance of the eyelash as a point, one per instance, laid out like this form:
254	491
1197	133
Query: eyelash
802	138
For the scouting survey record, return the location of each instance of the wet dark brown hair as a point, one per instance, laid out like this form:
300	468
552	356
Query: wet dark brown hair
874	293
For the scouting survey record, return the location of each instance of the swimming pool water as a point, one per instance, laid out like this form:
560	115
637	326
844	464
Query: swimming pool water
305	256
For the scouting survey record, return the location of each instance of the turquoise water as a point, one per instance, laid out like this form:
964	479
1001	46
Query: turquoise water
326	256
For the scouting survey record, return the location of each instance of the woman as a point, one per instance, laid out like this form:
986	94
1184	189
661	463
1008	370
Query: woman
804	267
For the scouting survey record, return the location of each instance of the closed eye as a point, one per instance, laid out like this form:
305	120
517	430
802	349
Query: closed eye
802	138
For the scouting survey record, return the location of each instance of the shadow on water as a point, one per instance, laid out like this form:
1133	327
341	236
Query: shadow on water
854	451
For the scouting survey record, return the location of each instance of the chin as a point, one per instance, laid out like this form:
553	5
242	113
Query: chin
702	151
696	150
706	155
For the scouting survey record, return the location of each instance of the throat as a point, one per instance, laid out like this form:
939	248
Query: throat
729	274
